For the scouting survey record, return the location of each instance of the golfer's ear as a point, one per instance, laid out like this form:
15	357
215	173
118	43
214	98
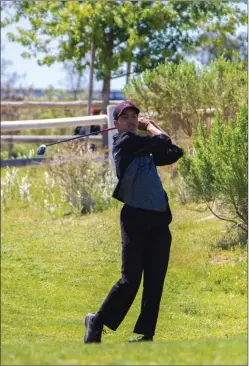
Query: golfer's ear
115	122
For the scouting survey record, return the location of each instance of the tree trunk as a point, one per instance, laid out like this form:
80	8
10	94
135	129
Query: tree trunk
128	72
90	91
90	87
107	81
108	69
105	98
106	92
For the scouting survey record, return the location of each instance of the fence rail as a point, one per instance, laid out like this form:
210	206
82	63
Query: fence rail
99	120
46	104
54	122
45	139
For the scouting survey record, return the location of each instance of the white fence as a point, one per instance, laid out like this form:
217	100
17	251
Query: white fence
40	139
60	105
97	120
54	122
100	120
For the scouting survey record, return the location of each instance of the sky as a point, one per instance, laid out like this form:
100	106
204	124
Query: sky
42	76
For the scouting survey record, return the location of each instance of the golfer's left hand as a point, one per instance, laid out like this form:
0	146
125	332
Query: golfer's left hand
143	123
149	120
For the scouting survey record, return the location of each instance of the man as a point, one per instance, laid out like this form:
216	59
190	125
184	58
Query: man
144	219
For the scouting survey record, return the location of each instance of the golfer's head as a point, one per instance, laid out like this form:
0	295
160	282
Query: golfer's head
126	117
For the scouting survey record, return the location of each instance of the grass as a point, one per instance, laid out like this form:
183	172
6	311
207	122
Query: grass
192	352
54	271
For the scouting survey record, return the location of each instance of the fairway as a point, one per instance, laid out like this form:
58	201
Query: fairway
193	352
54	271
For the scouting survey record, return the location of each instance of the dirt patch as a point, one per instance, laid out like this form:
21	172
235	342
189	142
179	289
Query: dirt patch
207	218
221	258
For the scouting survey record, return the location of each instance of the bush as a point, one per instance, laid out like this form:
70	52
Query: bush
170	90
78	185
217	171
85	179
231	239
176	92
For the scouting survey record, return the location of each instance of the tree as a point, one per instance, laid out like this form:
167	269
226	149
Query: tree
185	30
232	48
217	172
143	33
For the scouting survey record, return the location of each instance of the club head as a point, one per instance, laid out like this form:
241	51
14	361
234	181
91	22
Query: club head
41	150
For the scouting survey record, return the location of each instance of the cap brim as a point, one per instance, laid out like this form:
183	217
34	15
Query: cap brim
126	107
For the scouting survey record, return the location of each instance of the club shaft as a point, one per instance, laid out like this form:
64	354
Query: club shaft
82	136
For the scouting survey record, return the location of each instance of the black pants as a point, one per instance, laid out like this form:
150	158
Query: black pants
146	241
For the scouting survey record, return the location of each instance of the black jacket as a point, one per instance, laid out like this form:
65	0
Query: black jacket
128	146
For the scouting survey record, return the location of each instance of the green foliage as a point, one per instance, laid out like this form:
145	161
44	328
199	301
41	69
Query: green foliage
176	86
231	240
145	33
141	34
61	187
86	181
225	85
181	93
232	47
217	171
174	39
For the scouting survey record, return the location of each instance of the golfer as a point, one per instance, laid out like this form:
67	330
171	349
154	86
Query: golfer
144	219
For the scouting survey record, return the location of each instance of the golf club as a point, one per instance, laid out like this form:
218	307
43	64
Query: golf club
41	150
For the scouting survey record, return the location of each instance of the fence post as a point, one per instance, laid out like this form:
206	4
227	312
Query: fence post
110	109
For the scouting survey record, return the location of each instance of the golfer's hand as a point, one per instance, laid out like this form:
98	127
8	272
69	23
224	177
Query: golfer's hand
147	124
154	124
147	121
143	123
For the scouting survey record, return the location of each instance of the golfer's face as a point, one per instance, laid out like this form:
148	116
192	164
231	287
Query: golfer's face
127	121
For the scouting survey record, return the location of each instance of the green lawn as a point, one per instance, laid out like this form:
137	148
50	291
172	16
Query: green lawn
230	351
54	271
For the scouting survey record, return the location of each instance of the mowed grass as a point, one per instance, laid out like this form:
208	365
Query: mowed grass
55	271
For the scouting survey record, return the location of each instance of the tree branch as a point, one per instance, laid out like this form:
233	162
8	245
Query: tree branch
124	74
226	219
237	210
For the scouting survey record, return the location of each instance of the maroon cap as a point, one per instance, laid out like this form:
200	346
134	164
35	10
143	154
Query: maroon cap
122	106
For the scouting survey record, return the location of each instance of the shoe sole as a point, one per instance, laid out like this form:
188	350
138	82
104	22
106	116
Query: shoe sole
133	340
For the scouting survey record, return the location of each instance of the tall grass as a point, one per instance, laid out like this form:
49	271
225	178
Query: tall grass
77	185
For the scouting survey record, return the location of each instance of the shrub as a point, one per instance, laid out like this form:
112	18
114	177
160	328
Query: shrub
178	92
85	179
79	184
216	173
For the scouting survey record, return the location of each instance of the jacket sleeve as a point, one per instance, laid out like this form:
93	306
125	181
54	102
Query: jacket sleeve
168	156
137	145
